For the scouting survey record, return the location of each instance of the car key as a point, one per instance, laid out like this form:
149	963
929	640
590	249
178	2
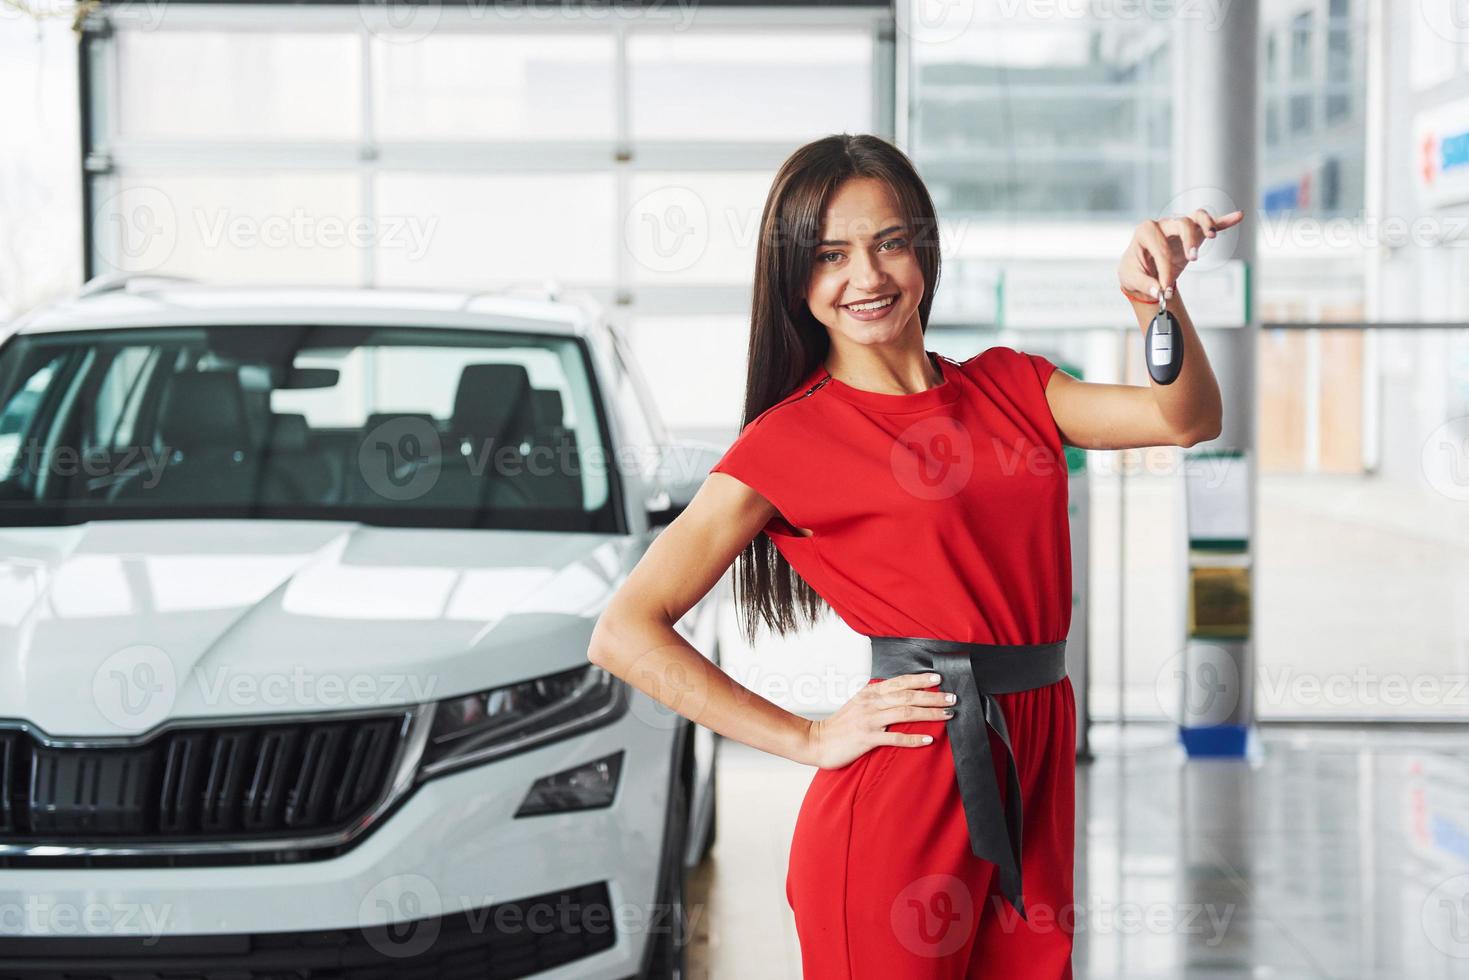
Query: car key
1163	345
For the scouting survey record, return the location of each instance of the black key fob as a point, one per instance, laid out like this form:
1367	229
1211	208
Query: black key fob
1163	346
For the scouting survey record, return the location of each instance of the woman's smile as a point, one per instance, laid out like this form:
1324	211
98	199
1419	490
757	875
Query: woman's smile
872	309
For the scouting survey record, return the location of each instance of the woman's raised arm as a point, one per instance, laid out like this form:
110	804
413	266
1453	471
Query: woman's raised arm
1093	415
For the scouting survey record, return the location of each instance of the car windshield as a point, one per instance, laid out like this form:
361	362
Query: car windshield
384	425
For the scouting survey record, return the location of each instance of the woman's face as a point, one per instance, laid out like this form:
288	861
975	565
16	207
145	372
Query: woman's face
864	254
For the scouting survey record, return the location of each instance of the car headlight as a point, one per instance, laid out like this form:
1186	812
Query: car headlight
487	725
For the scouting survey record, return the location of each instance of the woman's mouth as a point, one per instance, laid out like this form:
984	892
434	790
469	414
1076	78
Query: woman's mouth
872	309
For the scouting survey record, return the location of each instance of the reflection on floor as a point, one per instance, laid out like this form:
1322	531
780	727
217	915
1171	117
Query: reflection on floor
1339	853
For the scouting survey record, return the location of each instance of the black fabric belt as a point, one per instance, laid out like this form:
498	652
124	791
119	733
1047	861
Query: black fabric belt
974	672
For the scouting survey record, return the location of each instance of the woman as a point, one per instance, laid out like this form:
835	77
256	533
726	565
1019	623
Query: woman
924	501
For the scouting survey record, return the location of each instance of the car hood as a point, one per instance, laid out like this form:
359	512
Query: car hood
110	628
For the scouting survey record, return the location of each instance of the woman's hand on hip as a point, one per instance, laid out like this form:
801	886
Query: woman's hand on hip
861	723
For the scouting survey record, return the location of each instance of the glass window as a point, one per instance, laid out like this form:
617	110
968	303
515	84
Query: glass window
643	436
238	85
279	228
1300	47
18	412
1300	115
1338	73
1360	609
113	411
711	397
482	231
519	86
686	228
1314	150
742	85
397	426
1033	119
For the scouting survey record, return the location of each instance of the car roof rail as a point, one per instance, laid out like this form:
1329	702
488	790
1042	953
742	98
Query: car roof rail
113	282
548	288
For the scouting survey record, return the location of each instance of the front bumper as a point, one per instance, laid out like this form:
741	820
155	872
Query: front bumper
510	939
451	854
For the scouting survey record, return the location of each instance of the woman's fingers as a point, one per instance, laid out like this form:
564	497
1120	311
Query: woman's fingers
1190	236
1211	225
1137	272
904	699
912	691
906	682
1155	243
898	713
1206	222
1229	220
903	739
1162	249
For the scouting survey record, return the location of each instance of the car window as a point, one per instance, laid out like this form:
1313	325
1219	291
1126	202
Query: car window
388	425
19	409
642	424
112	413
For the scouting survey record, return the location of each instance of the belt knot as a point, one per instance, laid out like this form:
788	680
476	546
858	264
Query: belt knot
974	672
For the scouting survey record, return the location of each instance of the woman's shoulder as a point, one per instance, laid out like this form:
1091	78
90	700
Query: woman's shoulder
991	357
1002	363
794	411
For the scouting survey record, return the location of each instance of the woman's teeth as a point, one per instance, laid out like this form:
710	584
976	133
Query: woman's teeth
874	305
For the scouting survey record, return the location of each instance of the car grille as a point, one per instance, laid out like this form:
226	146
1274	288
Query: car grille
238	781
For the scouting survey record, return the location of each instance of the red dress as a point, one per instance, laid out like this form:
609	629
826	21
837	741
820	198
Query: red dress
940	514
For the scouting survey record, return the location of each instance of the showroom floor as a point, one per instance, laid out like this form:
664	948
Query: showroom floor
1335	854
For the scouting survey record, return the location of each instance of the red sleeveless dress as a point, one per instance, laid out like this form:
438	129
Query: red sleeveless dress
941	513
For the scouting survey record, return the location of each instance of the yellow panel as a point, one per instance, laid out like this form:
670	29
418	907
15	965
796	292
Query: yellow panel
1219	601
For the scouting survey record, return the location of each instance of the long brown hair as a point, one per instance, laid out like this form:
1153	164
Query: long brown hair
787	342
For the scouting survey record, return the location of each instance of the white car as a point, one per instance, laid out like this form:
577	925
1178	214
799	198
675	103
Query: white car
296	592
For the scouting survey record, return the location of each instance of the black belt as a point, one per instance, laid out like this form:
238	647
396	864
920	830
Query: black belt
974	672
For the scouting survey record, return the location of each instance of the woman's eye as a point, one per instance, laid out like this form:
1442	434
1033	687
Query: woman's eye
826	255
896	241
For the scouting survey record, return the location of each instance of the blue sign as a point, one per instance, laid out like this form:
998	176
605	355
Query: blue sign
1454	151
1282	197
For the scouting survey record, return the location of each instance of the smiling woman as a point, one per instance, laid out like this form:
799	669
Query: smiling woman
924	500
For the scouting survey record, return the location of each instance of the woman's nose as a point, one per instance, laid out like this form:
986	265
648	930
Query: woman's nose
865	273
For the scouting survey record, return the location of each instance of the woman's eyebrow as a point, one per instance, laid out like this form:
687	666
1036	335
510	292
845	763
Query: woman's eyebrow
878	235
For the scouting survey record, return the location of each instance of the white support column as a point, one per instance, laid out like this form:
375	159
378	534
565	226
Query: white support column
1215	167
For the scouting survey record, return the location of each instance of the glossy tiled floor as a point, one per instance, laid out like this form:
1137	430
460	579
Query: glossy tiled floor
1331	854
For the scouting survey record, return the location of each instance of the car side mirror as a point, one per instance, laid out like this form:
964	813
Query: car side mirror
683	465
